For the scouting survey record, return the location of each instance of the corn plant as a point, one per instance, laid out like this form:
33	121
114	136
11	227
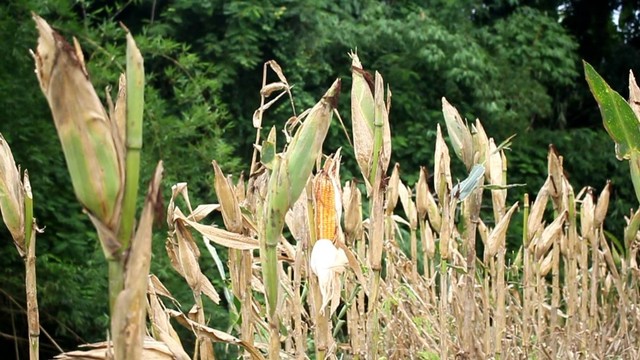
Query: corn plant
102	152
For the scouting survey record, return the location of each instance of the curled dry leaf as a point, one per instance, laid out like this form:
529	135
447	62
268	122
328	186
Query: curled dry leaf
458	133
327	262
555	172
536	213
587	211
441	167
422	188
546	264
480	143
352	202
602	205
392	189
498	235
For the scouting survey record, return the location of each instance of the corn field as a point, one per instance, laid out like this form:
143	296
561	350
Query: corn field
323	267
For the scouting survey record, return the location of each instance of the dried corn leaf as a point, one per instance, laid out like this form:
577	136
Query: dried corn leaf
222	237
634	95
228	202
151	350
296	218
162	329
549	235
213	334
408	205
202	211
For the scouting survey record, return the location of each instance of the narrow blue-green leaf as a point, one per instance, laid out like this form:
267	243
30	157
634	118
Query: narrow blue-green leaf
466	187
617	116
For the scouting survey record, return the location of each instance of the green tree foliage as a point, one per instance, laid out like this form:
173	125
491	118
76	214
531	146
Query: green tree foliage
185	125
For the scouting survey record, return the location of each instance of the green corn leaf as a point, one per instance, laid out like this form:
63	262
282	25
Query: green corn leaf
617	116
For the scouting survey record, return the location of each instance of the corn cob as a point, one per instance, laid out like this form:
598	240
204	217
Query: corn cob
89	139
327	205
11	196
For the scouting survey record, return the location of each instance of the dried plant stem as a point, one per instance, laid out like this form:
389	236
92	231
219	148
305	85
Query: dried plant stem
555	297
30	283
443	310
32	298
571	275
414	253
584	293
593	298
245	273
526	283
299	332
471	209
500	317
376	236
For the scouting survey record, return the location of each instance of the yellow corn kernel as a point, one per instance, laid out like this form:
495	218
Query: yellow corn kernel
325	209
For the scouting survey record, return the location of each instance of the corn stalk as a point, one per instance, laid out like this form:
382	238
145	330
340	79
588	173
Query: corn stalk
16	207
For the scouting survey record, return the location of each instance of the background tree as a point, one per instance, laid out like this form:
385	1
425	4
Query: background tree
513	64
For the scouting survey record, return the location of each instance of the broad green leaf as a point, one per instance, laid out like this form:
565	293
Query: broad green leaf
617	116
